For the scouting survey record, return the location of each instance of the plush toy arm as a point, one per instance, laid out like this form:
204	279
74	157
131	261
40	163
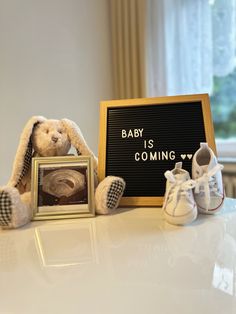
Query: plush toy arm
23	156
77	140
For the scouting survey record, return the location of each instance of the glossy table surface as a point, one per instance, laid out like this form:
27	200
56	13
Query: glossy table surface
129	262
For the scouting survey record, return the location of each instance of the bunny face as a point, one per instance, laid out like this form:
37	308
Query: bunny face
50	139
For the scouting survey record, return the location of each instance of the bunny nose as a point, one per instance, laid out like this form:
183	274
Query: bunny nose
54	139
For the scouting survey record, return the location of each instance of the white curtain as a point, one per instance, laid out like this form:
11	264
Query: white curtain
224	36
189	42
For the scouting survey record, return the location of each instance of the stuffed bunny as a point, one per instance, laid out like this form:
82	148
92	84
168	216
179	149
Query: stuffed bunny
42	137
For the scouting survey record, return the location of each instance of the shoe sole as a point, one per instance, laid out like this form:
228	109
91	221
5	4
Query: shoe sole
211	211
181	220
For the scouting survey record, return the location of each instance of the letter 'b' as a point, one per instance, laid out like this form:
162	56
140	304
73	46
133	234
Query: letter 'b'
123	133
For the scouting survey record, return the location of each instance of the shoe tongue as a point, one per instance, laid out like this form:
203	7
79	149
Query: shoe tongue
204	168
211	165
182	176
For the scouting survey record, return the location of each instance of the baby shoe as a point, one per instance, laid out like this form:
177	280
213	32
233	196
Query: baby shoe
179	205
209	191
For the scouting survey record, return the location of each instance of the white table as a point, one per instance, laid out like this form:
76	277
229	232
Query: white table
130	262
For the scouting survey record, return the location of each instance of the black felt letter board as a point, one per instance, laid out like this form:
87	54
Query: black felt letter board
143	141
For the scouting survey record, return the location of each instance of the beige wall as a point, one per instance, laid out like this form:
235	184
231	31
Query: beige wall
55	60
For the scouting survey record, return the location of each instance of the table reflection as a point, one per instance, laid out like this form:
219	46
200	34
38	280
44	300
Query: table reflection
66	244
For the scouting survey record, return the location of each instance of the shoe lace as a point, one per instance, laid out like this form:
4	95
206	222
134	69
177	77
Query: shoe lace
176	188
207	184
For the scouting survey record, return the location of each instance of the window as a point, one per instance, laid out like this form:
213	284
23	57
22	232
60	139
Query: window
192	49
223	96
223	104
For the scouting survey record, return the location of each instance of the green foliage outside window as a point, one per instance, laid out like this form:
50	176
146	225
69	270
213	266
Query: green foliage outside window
223	105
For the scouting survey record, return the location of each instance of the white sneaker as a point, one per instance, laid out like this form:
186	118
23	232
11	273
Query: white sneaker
209	191
179	206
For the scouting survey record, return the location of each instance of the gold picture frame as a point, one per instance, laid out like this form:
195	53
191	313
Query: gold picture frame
62	187
128	115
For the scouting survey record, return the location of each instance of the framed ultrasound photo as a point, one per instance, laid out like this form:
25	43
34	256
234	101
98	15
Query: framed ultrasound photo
142	138
62	187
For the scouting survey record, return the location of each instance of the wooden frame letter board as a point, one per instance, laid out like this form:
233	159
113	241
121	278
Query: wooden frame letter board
142	138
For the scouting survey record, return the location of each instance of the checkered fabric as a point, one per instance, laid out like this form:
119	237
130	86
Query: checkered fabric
27	158
5	208
27	161
114	193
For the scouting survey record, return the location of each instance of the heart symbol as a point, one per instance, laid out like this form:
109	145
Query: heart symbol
189	156
183	156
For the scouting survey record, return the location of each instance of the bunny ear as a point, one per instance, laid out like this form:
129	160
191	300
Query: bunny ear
22	161
77	140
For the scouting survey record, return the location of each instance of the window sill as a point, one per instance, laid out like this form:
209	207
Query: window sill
226	149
